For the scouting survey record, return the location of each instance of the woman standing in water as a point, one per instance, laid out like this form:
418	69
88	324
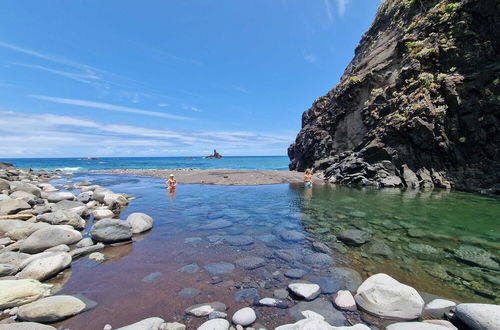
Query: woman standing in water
171	183
308	178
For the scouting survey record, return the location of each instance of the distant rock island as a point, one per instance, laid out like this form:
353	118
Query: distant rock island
418	106
216	155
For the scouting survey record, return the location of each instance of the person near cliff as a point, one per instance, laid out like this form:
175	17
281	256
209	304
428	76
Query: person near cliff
171	182
308	178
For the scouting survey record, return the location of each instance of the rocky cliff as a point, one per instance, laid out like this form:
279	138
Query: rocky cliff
419	105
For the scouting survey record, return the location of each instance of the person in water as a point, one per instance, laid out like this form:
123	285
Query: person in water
308	178
171	182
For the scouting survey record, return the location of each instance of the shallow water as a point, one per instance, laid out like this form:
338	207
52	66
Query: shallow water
142	280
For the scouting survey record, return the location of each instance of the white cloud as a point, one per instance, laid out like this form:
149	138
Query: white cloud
107	107
341	8
163	105
342	5
191	108
310	58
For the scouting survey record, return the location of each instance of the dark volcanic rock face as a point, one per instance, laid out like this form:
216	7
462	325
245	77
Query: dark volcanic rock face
419	105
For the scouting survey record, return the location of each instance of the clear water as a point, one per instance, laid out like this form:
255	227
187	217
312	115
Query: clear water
141	280
82	164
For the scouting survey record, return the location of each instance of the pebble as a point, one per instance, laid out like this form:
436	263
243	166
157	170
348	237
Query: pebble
189	269
244	316
308	291
295	273
219	268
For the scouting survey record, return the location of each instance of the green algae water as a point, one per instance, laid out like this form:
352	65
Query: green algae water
442	242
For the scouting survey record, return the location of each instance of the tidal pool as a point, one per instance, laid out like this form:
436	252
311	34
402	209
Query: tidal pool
194	252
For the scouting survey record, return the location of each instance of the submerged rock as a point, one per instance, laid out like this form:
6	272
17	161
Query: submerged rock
219	268
320	259
383	296
292	236
315	321
51	309
476	256
217	224
295	273
189	269
250	294
250	262
320	306
238	240
354	237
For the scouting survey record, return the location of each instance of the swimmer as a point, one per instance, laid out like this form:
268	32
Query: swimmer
171	182
308	178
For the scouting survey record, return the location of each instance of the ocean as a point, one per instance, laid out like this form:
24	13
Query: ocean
279	163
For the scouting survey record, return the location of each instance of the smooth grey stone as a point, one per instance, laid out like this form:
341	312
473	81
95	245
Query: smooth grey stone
320	259
188	293
250	294
321	306
189	269
219	268
152	277
354	237
289	255
250	262
238	240
295	273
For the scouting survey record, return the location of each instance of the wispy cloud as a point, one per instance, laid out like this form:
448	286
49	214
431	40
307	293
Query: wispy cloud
30	135
191	108
329	10
310	58
163	105
107	107
341	8
342	5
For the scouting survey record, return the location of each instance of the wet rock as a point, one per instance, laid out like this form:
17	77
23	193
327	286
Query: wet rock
289	255
425	251
12	206
295	273
438	307
60	196
76	253
26	326
479	316
217	315
415	326
152	277
65	205
416	233
280	293
85	242
102	213
244	316
344	300
251	262
217	224
292	236
383	296
250	294
321	247
45	267
189	293
219	268
308	291
354	237
51	309
48	237
111	230
63	218
152	323
320	259
379	248
140	222
97	257
215	324
238	240
271	302
476	256
189	269
19	292
320	306
205	309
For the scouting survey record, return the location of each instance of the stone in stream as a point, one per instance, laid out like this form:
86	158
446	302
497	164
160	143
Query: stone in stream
152	277
280	293
111	230
102	213
416	326
238	240
217	224
340	278
219	268
383	296
295	273
84	197
308	291
292	236
55	197
46	266
250	262
51	309
321	247
140	222
344	300
189	269
244	316
354	237
12	206
205	309
271	302
438	307
65	205
48	237
19	292
27	187
314	321
26	326
289	255
63	218
250	294
321	306
76	253
479	316
152	323
85	242
476	256
215	324
97	257
379	248
320	259
188	293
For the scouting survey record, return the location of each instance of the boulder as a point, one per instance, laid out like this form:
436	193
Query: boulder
308	291
383	296
479	316
51	309
25	196
74	206
27	187
25	326
111	230
215	324
415	326
112	199
19	292
100	193
4	185
63	217
244	316
55	197
315	321
48	237
354	237
46	267
13	206
78	252
102	213
13	258
84	197
4	197
18	229
152	323
140	222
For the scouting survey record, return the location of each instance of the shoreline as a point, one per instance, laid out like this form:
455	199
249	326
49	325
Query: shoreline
218	176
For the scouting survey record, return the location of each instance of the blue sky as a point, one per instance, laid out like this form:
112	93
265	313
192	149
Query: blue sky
167	78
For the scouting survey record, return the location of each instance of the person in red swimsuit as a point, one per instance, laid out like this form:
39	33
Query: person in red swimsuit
171	182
